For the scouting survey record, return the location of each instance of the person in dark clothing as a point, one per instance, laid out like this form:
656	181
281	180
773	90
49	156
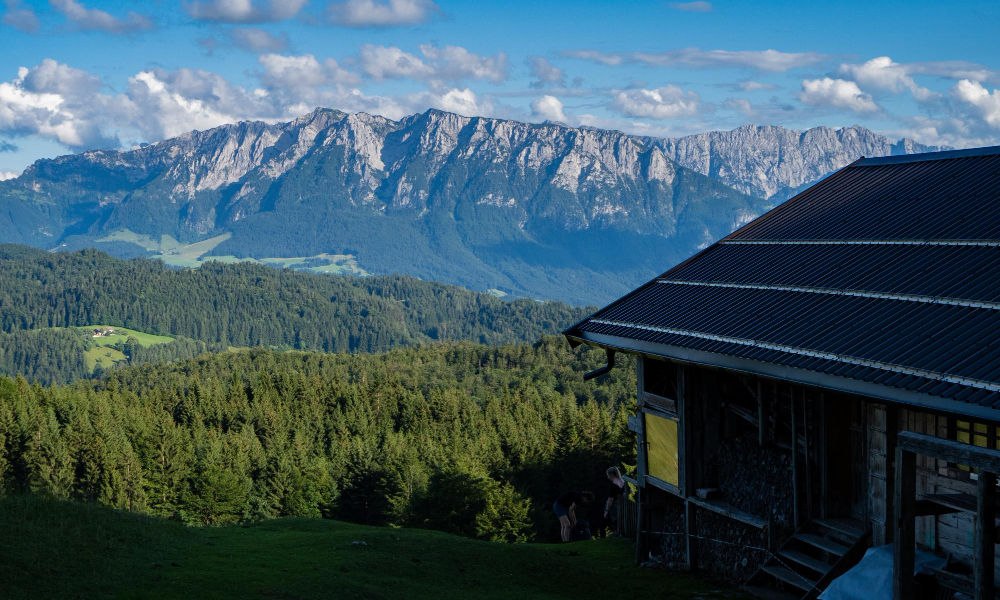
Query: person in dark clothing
616	488
565	508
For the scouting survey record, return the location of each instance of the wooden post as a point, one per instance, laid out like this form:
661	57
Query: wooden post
690	528
640	475
891	431
795	462
823	475
905	501
984	550
640	532
808	463
772	533
761	423
686	412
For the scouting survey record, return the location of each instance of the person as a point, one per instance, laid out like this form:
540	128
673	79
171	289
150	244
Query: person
615	488
565	508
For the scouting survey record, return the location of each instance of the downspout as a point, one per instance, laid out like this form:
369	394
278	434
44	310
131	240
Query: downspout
605	369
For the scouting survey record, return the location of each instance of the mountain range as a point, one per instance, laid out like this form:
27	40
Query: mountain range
540	210
767	161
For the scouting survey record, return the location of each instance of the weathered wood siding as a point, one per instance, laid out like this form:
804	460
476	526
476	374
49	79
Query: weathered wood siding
952	533
879	474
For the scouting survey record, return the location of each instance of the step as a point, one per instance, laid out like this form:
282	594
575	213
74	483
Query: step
806	561
768	593
788	576
849	529
822	543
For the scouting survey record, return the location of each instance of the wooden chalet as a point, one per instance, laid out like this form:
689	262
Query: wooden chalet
824	380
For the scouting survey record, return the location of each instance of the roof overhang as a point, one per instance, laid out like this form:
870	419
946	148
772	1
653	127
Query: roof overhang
785	373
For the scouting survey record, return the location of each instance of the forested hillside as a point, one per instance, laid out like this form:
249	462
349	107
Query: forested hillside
459	437
238	305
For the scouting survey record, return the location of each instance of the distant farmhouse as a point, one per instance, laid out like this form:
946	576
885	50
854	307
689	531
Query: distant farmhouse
825	381
103	332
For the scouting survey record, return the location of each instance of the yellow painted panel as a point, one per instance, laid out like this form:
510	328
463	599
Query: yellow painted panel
661	448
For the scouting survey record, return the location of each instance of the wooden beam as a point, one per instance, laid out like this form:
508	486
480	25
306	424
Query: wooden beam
686	415
795	463
985	536
724	508
984	459
640	432
904	522
659	402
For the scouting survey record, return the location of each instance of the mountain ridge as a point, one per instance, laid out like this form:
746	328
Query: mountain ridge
530	209
533	210
784	161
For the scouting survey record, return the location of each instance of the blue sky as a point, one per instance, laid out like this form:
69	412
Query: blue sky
80	74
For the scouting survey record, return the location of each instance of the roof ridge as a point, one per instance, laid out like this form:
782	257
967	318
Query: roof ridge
927	156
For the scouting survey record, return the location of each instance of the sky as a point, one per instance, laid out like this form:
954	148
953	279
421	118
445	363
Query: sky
88	74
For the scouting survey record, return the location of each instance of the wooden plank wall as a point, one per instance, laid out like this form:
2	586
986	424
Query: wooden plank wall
879	489
947	534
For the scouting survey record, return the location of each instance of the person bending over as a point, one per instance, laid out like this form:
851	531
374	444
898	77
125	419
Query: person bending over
565	508
615	489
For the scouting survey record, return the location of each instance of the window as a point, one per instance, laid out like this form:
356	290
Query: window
661	448
977	434
660	378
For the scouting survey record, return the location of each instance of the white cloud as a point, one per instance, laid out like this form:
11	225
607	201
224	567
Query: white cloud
389	62
447	63
456	63
984	104
748	85
92	19
20	17
5	175
461	101
954	131
605	58
57	102
381	13
244	11
297	72
254	39
836	93
697	6
955	69
548	108
741	105
771	61
544	73
669	102
883	74
169	103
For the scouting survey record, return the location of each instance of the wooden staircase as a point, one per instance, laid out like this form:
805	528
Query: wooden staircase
819	552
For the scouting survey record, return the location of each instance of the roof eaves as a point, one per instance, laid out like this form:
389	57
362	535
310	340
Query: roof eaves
792	374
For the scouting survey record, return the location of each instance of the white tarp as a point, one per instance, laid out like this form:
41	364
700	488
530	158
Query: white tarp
871	579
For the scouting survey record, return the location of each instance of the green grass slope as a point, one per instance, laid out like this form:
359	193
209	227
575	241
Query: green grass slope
73	550
123	333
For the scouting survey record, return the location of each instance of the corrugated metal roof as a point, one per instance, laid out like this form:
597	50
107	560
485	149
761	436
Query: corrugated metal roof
888	272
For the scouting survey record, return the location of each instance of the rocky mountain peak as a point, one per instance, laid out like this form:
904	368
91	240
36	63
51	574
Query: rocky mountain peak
772	162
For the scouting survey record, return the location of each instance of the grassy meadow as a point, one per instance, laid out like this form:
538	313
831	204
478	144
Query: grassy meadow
71	550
